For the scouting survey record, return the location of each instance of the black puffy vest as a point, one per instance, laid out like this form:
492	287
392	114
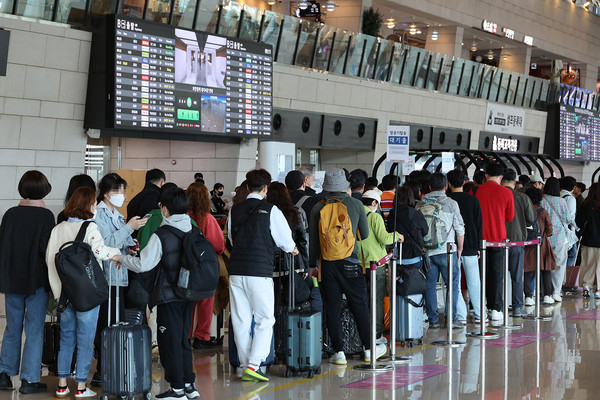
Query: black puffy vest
253	251
167	268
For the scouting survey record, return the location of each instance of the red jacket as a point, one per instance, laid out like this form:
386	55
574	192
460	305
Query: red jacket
211	230
497	207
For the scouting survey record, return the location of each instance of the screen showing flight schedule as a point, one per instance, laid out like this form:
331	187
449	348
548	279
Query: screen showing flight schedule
168	78
579	134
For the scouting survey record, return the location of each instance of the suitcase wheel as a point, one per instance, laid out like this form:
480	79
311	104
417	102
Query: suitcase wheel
103	397
148	396
311	374
420	342
318	371
288	373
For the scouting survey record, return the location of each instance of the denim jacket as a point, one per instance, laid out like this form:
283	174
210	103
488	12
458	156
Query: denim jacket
114	235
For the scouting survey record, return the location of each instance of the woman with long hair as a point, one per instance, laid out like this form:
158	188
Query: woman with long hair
24	235
588	219
77	328
199	211
559	216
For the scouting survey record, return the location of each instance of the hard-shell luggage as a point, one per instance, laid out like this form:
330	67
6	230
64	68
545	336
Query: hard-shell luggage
352	342
409	320
234	359
126	358
303	337
571	279
51	345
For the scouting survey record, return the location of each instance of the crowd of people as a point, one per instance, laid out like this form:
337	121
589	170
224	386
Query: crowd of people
334	235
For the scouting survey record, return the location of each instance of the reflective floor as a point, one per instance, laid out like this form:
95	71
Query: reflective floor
555	359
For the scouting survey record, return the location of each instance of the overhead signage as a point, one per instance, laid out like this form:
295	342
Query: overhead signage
509	33
528	40
503	119
489	26
504	144
398	138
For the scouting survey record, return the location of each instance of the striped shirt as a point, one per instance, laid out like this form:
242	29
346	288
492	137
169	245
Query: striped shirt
387	202
559	215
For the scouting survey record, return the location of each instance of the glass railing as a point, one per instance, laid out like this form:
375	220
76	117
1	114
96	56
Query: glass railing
577	97
318	46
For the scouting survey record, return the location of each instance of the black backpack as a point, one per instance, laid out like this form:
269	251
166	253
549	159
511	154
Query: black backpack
534	231
83	283
198	273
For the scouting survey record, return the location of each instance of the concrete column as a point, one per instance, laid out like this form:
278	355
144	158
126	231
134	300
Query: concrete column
278	158
518	59
588	77
449	41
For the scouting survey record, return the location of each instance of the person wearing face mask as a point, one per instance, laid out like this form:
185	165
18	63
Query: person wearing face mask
219	204
77	328
116	233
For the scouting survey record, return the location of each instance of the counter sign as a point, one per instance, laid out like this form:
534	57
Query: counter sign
398	139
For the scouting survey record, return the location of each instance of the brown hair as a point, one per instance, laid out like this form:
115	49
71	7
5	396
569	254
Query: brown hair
241	193
80	203
34	185
199	201
279	196
593	196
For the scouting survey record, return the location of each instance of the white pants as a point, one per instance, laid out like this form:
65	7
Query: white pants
252	296
561	253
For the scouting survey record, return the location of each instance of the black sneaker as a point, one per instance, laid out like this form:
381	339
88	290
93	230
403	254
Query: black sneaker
5	382
191	392
170	395
32	387
203	344
96	380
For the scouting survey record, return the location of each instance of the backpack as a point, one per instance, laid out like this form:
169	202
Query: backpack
534	231
436	222
335	231
83	283
198	273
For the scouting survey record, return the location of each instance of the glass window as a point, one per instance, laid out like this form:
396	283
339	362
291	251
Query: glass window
306	44
288	40
230	18
183	13
340	48
158	11
251	23
71	11
323	51
208	13
36	8
397	62
367	65
383	60
271	26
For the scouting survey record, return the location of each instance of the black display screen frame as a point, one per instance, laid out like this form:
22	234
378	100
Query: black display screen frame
586	147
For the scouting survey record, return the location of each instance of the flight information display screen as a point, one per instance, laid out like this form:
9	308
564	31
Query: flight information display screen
173	79
579	136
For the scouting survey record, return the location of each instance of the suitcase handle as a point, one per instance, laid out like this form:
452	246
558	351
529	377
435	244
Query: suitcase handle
118	317
292	288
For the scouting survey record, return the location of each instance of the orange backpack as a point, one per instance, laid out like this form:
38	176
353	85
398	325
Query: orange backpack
335	231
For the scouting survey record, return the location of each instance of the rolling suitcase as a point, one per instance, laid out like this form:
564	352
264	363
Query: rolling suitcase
51	345
303	337
410	320
126	358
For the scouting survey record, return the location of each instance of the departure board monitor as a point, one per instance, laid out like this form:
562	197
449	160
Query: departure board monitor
172	79
579	134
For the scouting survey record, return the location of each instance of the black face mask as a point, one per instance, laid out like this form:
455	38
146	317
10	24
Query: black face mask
220	193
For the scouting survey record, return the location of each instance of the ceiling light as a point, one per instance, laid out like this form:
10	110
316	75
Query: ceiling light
505	57
490	55
474	46
303	5
413	30
271	2
390	23
330	6
587	3
435	35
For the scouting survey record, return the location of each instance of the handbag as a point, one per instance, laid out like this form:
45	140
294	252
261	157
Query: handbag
571	236
411	280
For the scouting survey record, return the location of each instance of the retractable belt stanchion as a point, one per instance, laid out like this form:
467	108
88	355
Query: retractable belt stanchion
483	333
372	366
505	324
538	278
393	358
450	301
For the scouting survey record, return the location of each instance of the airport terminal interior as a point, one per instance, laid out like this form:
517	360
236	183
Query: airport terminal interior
389	87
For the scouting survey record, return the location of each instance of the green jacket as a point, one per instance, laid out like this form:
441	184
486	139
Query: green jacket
373	247
151	226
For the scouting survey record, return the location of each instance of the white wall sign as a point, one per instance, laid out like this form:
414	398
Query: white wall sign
408	166
528	40
447	161
503	119
398	138
509	33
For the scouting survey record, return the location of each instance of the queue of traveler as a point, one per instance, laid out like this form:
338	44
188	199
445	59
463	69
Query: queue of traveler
264	218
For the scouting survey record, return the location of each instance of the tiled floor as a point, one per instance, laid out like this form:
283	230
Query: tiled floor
562	364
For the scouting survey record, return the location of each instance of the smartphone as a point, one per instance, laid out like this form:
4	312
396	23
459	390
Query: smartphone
147	216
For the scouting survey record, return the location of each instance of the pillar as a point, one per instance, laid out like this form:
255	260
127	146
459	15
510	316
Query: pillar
278	158
450	39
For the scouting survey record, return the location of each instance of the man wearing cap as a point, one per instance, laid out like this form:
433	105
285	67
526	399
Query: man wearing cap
373	249
296	184
343	276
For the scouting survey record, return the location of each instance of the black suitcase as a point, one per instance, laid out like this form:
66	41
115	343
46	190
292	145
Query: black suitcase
51	345
126	358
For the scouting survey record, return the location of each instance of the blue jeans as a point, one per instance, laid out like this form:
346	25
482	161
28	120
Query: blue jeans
516	259
77	329
439	264
571	257
471	266
27	312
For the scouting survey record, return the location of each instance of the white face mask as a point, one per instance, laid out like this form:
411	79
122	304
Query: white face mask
117	200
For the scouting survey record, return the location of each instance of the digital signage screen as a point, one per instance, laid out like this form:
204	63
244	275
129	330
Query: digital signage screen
179	80
579	134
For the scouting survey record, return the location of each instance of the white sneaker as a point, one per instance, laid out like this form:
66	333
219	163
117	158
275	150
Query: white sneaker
380	350
548	300
381	340
338	358
529	301
85	393
497	315
557	298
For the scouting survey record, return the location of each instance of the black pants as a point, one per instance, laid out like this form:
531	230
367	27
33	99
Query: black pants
339	277
174	322
495	278
545	284
103	320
